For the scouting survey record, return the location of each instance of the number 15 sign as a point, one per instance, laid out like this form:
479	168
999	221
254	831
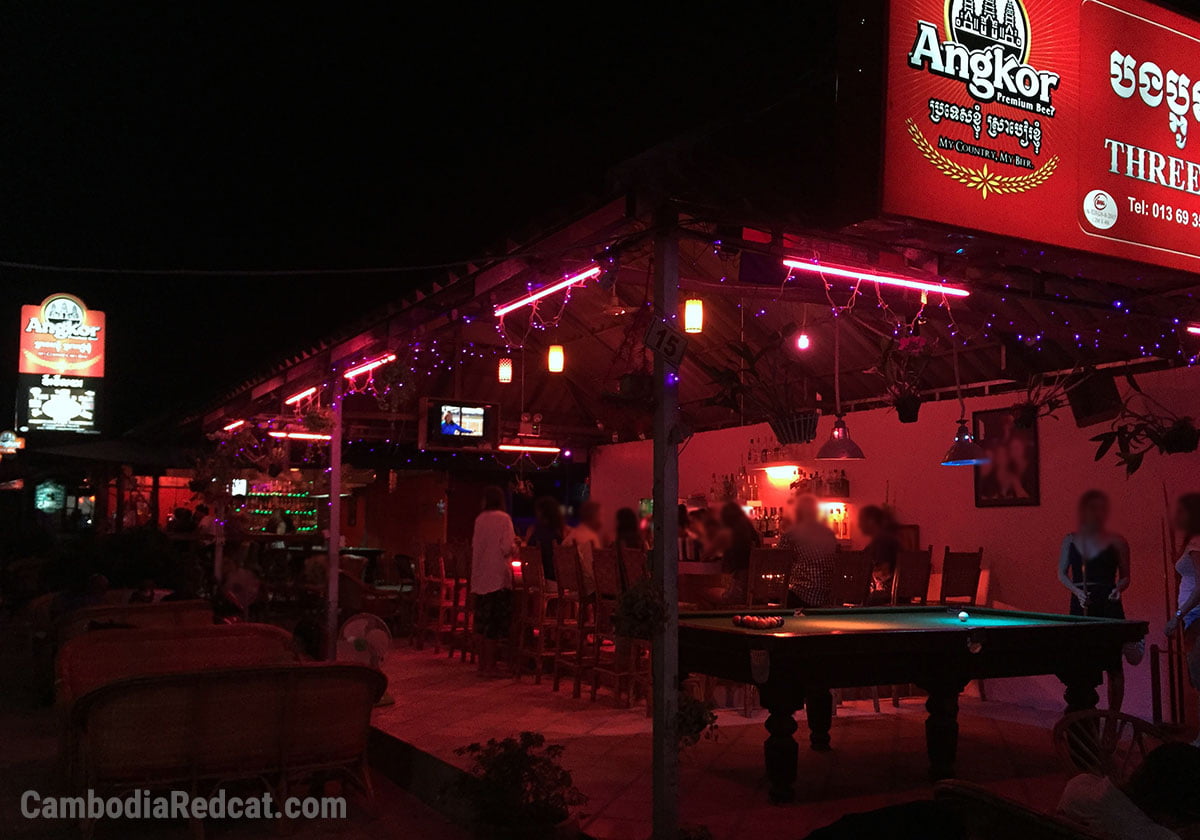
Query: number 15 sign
666	341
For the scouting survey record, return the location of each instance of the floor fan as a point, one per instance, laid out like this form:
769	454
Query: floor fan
366	639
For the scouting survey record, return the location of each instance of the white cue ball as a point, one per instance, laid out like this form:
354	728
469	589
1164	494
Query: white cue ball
962	616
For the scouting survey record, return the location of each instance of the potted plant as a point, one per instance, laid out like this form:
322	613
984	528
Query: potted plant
1154	427
902	366
640	611
1042	398
694	720
767	382
518	788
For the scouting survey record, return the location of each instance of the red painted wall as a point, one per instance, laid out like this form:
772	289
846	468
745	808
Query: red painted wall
1020	544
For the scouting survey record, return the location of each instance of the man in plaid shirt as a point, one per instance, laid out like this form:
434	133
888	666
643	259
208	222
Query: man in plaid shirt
811	585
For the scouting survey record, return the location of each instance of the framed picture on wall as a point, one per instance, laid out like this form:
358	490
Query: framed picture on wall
1012	478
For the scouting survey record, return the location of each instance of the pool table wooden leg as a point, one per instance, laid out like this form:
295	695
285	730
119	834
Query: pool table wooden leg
781	753
941	728
1080	693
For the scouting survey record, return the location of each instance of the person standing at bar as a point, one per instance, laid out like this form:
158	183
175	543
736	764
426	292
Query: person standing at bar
1094	566
810	584
493	544
1187	520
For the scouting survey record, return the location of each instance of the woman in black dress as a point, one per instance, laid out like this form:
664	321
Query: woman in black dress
1094	567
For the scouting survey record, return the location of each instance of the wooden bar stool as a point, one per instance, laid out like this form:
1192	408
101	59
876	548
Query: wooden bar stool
851	578
436	598
537	621
611	654
961	571
910	586
462	608
574	617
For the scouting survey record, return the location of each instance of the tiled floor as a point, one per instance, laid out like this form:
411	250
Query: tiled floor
878	759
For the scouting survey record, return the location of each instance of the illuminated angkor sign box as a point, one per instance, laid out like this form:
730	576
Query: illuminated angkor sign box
61	366
1065	122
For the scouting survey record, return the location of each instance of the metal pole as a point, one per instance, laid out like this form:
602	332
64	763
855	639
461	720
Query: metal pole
665	649
335	514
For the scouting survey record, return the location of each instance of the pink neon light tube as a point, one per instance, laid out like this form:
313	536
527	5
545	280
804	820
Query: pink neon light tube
586	274
1194	329
371	365
300	435
295	398
886	279
522	447
235	424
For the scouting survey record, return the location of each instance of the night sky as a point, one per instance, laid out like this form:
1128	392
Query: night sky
212	137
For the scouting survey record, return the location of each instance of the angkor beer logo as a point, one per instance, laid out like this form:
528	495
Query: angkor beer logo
988	50
62	317
978	27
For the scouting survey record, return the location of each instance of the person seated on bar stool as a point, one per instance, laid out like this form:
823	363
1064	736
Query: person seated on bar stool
493	545
587	537
811	585
738	539
882	547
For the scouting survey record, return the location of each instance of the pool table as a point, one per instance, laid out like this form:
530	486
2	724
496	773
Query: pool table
871	646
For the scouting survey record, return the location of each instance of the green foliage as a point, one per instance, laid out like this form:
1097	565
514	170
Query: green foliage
1136	432
518	785
902	364
641	611
694	720
764	381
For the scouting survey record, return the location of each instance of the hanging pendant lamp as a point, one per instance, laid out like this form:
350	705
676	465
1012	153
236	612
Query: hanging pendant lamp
965	451
839	447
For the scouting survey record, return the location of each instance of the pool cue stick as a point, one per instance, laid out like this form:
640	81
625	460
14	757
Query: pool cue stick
1177	660
1172	682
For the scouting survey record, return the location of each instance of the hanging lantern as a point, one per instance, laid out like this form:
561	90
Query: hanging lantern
504	370
693	315
802	341
964	451
555	358
840	447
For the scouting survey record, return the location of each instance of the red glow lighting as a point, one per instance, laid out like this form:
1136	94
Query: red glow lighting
525	447
371	365
885	279
582	276
1194	329
295	398
235	424
300	435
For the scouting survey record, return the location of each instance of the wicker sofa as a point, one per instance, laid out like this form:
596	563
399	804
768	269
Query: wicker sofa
163	614
94	659
193	730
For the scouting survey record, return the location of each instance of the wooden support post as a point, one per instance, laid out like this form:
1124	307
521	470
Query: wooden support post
666	542
335	515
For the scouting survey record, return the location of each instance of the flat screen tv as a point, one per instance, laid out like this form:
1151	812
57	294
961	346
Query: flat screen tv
457	424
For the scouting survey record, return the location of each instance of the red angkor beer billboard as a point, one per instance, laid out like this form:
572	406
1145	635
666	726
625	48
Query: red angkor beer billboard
1066	122
61	335
61	367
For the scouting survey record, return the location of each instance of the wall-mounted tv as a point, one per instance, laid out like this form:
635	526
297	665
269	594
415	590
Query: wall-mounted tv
458	424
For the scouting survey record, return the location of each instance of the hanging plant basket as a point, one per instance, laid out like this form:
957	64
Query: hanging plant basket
1181	437
908	406
800	427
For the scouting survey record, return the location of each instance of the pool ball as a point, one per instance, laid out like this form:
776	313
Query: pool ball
962	616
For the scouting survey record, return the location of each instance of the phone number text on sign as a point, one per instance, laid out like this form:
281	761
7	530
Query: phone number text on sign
1164	212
